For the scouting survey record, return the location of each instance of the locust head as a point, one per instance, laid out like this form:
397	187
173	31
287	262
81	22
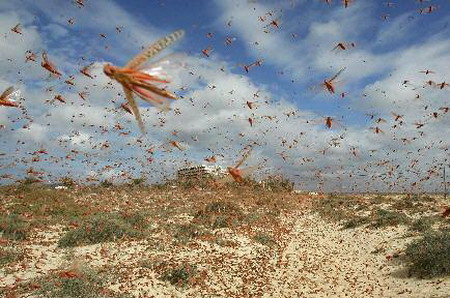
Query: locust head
110	70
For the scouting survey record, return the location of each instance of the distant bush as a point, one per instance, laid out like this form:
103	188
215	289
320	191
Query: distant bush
138	181
106	183
67	181
29	180
430	256
278	183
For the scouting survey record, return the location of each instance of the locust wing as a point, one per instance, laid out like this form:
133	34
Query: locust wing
154	49
134	107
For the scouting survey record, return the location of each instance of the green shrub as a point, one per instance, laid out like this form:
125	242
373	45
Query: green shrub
106	183
422	224
186	232
87	284
430	256
385	218
179	276
99	228
264	239
278	183
9	255
356	222
14	227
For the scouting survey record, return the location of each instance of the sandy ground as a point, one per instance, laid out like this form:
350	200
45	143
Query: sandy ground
323	261
312	258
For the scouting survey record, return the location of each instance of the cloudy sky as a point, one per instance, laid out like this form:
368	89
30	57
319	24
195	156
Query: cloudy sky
389	115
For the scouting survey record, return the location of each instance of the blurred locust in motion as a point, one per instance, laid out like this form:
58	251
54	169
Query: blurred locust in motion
137	79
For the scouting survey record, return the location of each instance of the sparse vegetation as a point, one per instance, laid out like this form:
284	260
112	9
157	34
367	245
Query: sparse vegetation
356	222
73	284
186	232
336	208
219	215
422	224
264	239
106	183
278	183
384	218
429	256
9	255
179	276
102	228
14	227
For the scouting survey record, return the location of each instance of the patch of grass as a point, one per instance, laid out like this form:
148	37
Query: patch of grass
9	255
219	214
430	256
386	218
14	227
85	283
179	276
264	239
44	203
336	208
186	232
355	222
423	224
99	228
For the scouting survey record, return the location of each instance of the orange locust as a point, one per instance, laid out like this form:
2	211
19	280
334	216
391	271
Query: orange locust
80	3
83	95
136	81
237	173
442	85
329	122
377	130
347	3
30	56
256	63
426	71
343	46
4	98
17	29
428	9
85	71
60	98
207	51
329	84
48	65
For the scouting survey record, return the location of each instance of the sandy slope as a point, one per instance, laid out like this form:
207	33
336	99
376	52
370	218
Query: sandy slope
323	261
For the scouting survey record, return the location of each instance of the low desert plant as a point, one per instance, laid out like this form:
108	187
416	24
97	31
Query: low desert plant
186	232
422	224
14	227
264	239
385	218
355	222
219	214
99	228
9	255
430	255
180	275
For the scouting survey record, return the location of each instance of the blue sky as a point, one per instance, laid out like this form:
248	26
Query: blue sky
212	117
